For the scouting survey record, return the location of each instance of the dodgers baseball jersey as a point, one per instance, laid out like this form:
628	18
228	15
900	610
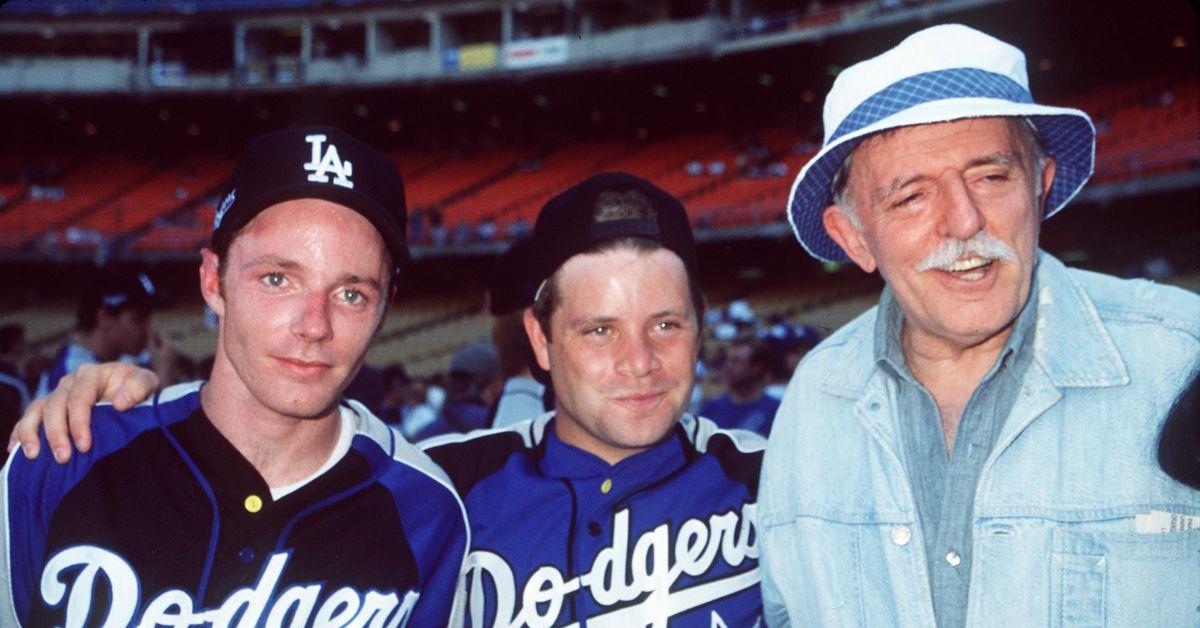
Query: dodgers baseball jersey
164	522
560	537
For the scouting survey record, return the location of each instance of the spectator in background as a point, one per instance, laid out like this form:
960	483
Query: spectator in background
416	226
473	386
462	234
396	384
437	228
485	231
788	345
746	406
14	392
518	228
368	388
509	293
113	322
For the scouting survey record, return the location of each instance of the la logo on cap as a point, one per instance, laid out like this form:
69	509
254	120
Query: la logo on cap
320	166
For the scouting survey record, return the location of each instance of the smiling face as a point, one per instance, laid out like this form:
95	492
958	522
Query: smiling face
302	293
624	349
949	215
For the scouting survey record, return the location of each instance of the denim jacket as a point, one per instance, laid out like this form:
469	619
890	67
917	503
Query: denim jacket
1056	537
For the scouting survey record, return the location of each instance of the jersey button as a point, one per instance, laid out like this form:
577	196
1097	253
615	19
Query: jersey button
606	486
246	554
594	529
253	503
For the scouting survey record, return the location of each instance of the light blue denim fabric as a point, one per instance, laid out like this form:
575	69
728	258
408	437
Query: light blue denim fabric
1054	537
944	485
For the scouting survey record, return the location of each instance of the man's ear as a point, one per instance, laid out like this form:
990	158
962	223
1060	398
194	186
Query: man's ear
210	281
852	241
1047	175
537	339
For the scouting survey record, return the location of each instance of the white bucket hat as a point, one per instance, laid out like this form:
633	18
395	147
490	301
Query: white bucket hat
942	73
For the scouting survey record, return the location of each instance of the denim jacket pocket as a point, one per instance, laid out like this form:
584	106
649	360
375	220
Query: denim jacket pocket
847	567
1122	578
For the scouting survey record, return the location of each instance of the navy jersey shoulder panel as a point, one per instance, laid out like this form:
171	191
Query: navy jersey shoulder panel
35	488
433	517
739	452
473	457
468	462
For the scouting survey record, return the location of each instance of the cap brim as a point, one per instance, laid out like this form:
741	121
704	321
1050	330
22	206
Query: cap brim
1067	136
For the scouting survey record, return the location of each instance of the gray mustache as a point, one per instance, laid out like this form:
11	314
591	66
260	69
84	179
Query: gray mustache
982	244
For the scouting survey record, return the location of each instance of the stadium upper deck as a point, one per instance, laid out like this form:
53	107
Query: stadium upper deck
136	173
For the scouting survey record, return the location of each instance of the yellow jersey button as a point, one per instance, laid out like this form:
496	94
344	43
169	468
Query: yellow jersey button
253	503
606	486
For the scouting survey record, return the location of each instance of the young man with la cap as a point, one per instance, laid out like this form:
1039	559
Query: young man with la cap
979	449
616	509
259	497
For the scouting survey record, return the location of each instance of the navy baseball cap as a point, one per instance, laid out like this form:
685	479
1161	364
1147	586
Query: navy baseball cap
567	227
316	162
116	289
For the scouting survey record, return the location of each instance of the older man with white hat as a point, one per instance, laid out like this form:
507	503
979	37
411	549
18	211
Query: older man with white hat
979	448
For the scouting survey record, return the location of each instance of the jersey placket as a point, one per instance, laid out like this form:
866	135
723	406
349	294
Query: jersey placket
248	522
605	500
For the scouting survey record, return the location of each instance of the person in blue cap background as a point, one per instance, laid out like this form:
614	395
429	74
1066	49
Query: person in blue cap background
979	449
113	321
745	405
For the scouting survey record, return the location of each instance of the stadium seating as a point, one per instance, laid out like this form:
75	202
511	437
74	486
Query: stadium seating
1144	127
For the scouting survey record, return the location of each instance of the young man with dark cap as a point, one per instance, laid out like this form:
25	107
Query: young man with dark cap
113	322
617	509
259	497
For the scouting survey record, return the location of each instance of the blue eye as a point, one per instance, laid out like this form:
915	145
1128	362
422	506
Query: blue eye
351	295
274	280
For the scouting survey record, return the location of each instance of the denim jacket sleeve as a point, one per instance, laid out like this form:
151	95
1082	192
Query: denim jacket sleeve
1057	539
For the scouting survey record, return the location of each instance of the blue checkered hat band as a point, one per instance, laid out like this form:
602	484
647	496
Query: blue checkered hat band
921	88
1066	138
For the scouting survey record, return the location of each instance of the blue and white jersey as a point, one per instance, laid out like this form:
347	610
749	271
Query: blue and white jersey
164	522
560	537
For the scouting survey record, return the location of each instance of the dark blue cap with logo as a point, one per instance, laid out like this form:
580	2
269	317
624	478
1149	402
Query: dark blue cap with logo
567	225
321	162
